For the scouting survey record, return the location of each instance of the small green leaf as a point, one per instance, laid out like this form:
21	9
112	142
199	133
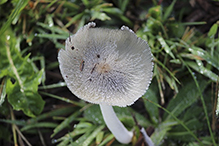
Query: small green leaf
19	6
82	125
71	135
199	67
106	139
171	83
118	13
74	19
151	109
90	138
52	36
93	114
211	59
23	81
194	23
86	2
30	102
125	115
165	46
82	138
3	92
55	29
186	96
161	131
172	75
176	61
123	5
3	1
168	10
65	123
99	137
39	125
213	30
179	132
155	12
16	122
99	15
114	11
57	112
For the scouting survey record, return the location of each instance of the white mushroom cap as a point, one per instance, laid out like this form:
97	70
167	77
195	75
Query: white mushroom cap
106	66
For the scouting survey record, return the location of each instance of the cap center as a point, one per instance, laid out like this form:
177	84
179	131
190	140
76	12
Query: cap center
103	68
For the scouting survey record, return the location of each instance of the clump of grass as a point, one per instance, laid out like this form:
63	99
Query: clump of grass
185	77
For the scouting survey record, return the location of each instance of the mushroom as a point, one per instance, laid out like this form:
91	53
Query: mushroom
109	67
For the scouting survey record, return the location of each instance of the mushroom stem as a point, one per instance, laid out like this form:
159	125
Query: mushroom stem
115	125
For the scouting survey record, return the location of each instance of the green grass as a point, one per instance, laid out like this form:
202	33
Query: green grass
180	105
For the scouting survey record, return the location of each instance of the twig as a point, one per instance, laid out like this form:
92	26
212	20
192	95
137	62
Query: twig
41	138
15	128
20	141
22	136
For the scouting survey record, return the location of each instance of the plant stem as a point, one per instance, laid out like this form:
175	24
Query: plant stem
13	127
14	69
146	137
203	104
114	124
178	120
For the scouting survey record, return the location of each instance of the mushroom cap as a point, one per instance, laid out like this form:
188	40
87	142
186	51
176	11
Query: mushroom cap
110	66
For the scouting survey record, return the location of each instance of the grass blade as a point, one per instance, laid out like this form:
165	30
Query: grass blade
179	121
65	123
203	103
93	135
20	5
